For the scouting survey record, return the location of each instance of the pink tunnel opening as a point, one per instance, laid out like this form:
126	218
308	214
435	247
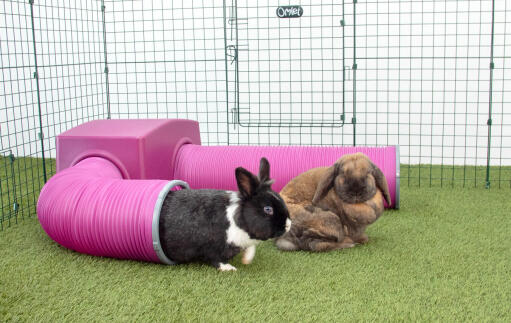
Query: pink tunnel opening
89	208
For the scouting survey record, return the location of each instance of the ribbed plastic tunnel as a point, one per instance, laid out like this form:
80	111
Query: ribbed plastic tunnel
89	208
213	166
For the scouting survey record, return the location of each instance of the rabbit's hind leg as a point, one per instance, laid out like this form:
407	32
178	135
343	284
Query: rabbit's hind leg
318	245
285	243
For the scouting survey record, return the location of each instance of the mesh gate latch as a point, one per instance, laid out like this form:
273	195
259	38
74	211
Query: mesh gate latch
489	122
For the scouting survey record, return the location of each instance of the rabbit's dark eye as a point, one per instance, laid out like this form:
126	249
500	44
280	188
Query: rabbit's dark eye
268	210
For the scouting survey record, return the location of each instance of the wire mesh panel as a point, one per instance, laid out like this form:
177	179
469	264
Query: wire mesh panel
424	82
288	62
19	118
9	206
429	76
500	114
71	68
286	73
417	74
166	59
51	79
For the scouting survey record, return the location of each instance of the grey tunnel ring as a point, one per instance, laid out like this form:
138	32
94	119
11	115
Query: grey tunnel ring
156	219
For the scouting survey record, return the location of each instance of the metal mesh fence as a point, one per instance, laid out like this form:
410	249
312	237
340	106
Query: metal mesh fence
419	74
289	71
429	76
51	79
167	60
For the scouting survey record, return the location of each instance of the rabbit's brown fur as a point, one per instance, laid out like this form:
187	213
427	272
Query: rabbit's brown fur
330	207
315	229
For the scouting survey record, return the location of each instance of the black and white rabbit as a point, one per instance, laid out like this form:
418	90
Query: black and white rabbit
213	226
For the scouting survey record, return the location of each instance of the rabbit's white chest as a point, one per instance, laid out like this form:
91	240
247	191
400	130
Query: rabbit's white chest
236	235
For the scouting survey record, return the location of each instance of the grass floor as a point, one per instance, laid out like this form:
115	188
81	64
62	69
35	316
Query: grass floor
445	255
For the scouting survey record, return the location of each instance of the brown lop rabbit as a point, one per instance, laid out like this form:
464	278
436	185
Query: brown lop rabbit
330	207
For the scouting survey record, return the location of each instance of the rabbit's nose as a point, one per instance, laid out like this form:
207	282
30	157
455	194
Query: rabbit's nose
356	184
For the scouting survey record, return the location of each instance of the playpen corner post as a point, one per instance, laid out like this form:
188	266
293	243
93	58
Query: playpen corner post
36	77
107	81
490	99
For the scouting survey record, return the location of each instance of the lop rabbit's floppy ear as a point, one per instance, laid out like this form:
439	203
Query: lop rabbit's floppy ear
247	182
325	183
381	183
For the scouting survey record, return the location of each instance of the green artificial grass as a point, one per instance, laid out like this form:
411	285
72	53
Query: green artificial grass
444	256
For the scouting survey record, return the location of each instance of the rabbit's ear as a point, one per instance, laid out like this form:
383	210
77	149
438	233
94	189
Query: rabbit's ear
264	170
325	183
247	182
381	183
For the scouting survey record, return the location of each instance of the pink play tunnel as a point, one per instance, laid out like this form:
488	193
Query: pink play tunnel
113	175
91	209
213	166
